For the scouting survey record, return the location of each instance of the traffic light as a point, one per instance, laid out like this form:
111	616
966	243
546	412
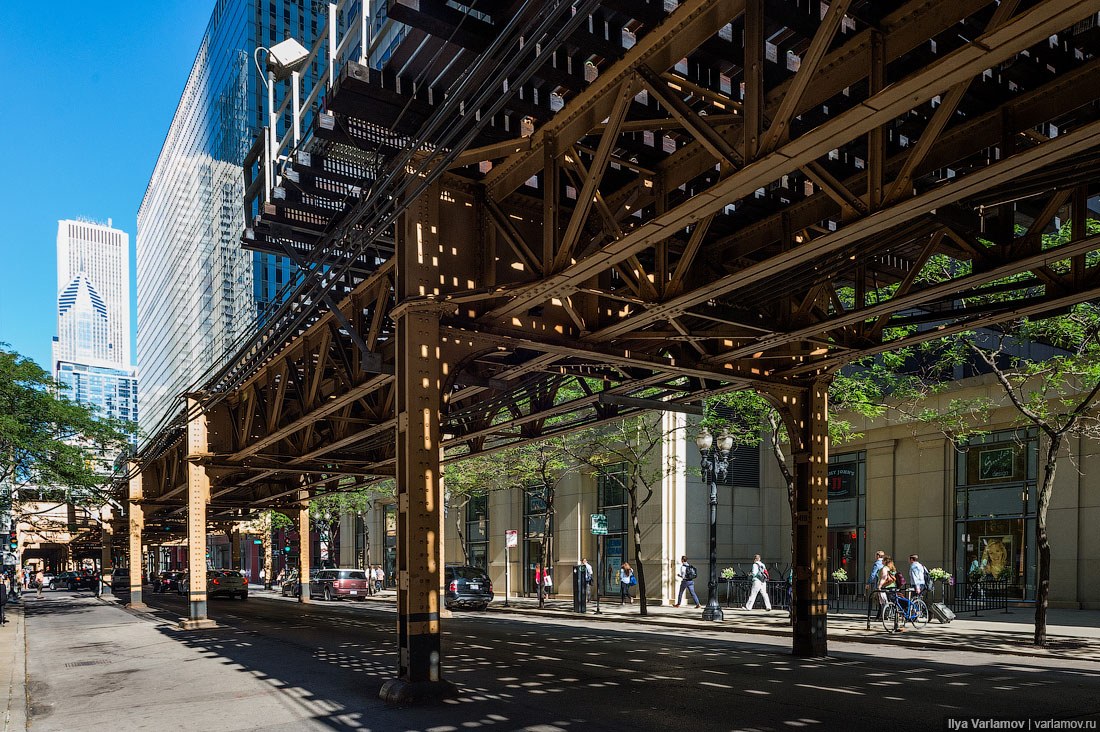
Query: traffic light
13	541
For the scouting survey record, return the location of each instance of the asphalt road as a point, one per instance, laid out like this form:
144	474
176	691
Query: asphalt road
323	663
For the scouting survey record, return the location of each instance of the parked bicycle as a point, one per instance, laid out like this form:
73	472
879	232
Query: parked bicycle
901	609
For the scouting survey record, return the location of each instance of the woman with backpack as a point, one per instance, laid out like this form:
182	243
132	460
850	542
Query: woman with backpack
887	580
626	579
759	577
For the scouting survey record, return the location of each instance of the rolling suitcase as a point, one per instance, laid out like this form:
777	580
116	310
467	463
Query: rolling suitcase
941	612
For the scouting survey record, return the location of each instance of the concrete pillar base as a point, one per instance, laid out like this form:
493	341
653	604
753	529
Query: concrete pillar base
204	624
399	691
137	606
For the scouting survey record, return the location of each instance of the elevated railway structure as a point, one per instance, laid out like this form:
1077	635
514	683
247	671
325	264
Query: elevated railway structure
533	217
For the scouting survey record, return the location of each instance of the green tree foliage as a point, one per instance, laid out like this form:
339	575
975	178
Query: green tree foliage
350	498
628	453
52	449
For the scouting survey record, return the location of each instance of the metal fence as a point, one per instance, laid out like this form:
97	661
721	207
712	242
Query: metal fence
975	597
738	589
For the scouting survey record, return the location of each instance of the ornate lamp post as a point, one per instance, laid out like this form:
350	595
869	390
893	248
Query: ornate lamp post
714	460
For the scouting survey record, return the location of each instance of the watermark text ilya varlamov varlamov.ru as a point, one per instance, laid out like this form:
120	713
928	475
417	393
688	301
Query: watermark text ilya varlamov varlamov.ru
1028	723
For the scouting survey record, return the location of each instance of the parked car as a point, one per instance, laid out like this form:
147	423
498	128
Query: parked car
74	581
333	584
227	582
120	581
466	587
167	581
291	586
47	580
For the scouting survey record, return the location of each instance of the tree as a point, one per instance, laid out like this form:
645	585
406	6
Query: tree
536	466
325	510
52	449
1057	394
266	524
627	453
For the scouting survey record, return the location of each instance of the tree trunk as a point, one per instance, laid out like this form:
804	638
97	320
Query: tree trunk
1042	545
639	571
781	460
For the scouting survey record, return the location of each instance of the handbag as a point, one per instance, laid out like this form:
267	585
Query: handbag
633	580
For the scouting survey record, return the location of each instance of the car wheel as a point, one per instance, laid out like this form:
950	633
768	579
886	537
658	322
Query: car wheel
244	595
53	585
328	593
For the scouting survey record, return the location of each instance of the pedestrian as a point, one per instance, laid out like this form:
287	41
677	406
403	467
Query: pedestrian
547	583
759	577
687	574
538	578
587	578
918	575
39	580
626	580
263	576
871	586
3	596
379	577
887	580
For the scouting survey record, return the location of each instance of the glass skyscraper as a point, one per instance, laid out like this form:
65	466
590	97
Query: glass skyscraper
91	352
199	292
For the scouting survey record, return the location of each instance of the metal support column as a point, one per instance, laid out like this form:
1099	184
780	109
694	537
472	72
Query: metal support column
105	563
419	370
811	522
198	495
304	546
235	547
137	525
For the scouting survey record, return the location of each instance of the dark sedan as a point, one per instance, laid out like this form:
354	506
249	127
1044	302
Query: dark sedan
167	582
74	581
467	587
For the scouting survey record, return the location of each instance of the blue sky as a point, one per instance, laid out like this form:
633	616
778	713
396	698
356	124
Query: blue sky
89	92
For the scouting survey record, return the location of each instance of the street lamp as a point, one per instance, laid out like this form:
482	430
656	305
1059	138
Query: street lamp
714	460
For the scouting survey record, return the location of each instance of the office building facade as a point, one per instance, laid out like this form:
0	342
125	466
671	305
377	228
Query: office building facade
91	352
200	294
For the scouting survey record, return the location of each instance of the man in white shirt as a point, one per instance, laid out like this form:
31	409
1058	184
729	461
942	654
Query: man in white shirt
587	578
759	584
916	574
687	574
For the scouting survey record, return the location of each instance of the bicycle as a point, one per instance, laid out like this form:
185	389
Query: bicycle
900	610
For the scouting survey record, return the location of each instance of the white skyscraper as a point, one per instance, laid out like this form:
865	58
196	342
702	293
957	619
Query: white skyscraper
91	352
93	300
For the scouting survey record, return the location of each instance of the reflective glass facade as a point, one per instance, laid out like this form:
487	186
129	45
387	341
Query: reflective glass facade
113	391
199	291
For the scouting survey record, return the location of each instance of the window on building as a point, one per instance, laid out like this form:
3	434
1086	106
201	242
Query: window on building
847	513
477	532
996	493
614	547
389	516
537	523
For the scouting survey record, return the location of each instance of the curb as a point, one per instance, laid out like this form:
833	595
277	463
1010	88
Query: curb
871	640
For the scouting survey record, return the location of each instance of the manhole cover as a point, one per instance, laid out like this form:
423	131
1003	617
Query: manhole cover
76	664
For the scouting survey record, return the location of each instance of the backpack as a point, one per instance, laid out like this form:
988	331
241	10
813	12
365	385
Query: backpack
764	572
690	572
927	579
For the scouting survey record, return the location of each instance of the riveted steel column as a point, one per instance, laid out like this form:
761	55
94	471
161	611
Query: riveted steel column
137	525
235	547
419	373
304	547
105	554
198	495
811	523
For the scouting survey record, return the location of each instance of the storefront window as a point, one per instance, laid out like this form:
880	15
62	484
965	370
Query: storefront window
537	522
847	513
389	515
477	532
995	508
615	545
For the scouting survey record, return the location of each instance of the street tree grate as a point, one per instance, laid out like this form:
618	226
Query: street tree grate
76	664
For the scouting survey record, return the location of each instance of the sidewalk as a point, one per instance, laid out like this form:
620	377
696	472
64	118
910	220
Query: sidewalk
1072	634
13	668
